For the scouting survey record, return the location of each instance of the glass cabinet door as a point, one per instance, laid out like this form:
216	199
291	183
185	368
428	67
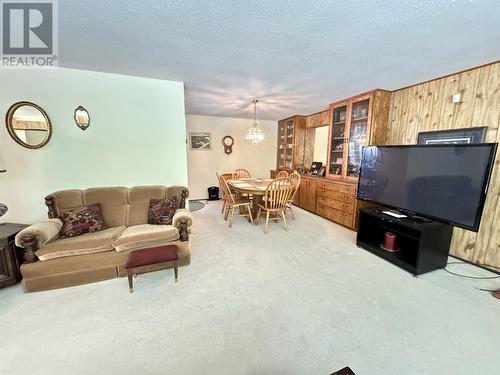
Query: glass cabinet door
358	136
281	144
289	144
338	141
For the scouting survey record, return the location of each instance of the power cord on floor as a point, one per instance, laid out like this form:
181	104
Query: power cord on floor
472	277
474	264
486	290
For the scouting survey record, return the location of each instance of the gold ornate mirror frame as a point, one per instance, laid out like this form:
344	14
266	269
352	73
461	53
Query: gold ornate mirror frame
9	117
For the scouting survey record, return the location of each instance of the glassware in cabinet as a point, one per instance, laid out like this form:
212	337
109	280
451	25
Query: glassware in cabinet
358	136
337	141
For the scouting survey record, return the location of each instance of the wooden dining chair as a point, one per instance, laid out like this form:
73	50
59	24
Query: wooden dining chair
275	199
282	174
240	173
295	180
233	202
224	197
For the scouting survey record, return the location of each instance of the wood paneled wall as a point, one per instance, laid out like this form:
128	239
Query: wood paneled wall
427	106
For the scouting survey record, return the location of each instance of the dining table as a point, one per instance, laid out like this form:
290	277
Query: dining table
254	187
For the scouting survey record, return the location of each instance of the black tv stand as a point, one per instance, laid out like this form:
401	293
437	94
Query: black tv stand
424	245
417	219
410	216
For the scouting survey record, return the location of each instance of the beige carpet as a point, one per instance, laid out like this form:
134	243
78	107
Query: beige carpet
304	302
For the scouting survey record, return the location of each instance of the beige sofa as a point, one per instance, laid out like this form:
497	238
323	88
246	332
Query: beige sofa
50	262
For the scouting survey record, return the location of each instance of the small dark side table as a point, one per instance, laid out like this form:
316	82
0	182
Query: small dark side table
9	261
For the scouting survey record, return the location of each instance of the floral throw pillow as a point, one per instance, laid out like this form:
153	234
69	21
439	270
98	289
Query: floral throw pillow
161	211
81	220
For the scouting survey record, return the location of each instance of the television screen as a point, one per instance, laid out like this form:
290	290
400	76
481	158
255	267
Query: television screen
443	182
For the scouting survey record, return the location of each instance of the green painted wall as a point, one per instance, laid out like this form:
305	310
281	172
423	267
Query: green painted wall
136	136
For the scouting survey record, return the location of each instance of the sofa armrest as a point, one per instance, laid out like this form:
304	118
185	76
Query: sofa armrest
37	235
180	214
182	220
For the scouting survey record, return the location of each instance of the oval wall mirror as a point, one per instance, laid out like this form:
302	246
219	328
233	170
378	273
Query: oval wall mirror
28	124
82	118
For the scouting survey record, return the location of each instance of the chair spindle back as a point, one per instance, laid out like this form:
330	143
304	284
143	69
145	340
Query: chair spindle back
282	174
295	180
278	193
240	173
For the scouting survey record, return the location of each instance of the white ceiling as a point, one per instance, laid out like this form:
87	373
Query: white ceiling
295	56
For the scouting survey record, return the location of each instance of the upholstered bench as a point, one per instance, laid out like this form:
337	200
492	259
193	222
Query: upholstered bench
151	259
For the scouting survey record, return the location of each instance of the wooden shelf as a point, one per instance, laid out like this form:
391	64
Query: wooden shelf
360	119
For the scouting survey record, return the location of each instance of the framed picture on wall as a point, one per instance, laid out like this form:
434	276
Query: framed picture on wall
200	141
453	136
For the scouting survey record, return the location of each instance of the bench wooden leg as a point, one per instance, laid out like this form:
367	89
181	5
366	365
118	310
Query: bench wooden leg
130	281
176	271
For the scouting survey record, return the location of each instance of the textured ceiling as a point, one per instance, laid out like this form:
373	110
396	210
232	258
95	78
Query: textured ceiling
295	56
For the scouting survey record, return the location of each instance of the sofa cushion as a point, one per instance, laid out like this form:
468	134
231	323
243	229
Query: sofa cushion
119	205
81	220
146	235
85	244
139	197
161	211
113	201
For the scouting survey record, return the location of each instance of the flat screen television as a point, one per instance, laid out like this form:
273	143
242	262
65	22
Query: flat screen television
445	182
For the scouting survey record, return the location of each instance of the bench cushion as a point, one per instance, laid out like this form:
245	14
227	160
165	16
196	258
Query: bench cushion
146	235
85	244
154	255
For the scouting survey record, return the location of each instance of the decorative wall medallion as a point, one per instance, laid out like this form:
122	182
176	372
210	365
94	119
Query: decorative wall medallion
82	118
228	143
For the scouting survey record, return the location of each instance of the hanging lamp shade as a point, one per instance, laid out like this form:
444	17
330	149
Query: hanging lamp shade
254	134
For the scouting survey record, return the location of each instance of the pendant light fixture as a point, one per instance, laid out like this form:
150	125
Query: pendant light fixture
254	134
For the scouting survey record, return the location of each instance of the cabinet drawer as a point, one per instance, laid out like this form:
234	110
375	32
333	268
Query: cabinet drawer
341	188
326	212
343	197
330	213
345	207
348	220
335	215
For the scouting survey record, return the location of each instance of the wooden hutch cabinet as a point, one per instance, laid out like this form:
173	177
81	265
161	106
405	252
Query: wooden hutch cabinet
333	200
352	123
337	202
318	119
307	194
291	132
356	122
